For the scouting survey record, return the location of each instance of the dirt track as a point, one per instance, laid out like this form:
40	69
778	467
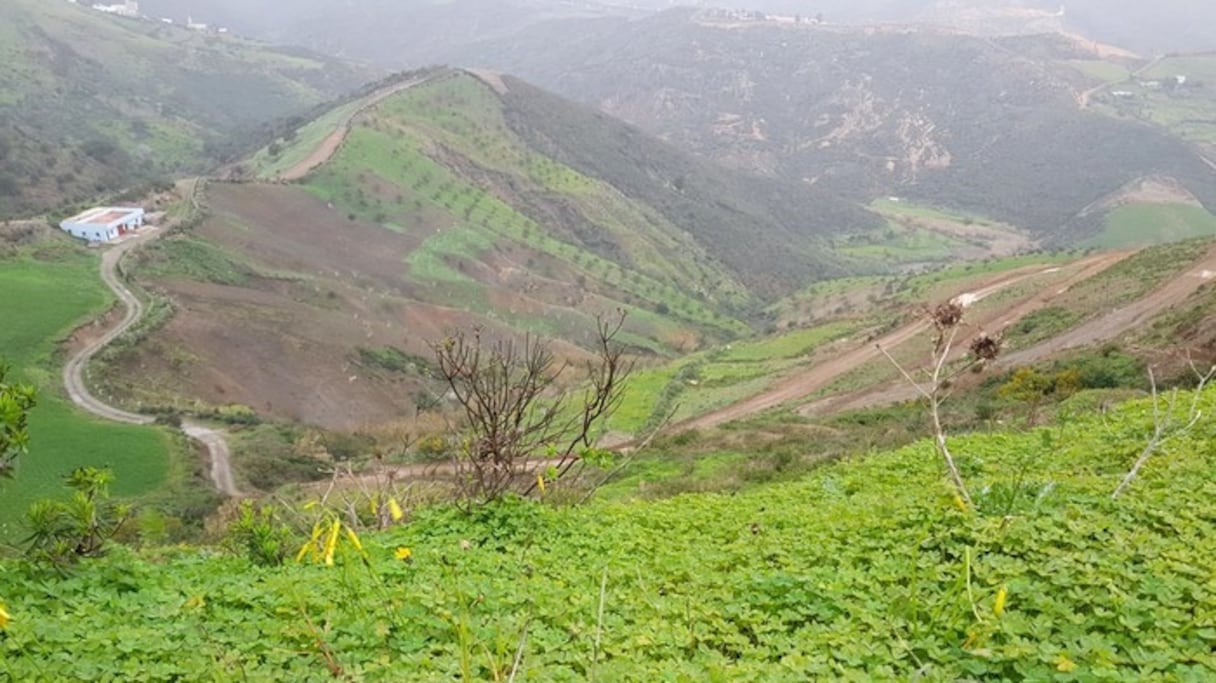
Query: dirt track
1101	329
1123	319
823	374
330	145
73	370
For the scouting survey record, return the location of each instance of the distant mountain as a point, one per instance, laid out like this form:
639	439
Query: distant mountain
92	102
986	125
419	32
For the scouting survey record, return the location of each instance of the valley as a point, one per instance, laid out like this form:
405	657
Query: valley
639	342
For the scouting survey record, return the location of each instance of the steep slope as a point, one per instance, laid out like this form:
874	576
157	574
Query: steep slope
93	102
442	209
989	126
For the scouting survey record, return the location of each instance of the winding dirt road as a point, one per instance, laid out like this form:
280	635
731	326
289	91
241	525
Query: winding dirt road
78	390
821	375
73	371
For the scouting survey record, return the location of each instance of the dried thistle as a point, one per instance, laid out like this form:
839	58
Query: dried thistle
947	315
985	348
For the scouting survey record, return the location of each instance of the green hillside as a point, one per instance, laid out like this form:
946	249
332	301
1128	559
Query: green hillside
1137	225
863	570
94	103
48	290
448	205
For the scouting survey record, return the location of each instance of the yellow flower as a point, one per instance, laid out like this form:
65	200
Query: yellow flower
354	540
331	543
960	503
394	510
196	602
540	483
311	544
4	617
373	505
403	553
1064	664
1002	596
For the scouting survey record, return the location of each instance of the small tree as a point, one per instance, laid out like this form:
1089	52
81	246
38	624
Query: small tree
16	401
515	413
61	533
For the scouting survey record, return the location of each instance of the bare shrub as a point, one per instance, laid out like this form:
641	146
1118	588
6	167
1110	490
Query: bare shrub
518	420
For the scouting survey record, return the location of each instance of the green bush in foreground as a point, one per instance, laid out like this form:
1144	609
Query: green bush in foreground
865	570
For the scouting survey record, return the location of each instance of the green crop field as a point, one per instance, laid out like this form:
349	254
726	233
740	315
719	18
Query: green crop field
1144	224
46	294
903	207
866	569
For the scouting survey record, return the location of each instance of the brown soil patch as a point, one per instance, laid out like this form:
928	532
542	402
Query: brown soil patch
285	342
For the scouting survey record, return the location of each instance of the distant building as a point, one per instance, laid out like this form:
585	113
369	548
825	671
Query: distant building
104	224
195	26
130	8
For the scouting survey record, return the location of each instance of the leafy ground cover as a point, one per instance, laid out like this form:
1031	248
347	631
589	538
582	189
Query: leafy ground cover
48	290
863	570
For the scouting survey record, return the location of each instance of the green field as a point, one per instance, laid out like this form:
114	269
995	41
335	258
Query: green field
47	292
862	570
1137	225
904	207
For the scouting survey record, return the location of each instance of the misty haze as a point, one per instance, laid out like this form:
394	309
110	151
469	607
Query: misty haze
596	340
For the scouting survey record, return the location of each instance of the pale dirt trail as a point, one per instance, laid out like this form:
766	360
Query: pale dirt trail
1101	329
333	142
73	371
823	374
1118	321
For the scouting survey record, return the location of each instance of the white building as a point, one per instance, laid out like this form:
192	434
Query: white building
104	223
130	8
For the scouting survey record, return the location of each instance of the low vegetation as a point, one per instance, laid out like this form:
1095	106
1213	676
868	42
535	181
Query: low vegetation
862	569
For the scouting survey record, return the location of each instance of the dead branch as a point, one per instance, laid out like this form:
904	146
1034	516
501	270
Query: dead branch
1165	426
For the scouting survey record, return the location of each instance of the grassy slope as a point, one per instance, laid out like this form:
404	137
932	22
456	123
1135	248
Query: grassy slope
45	295
864	570
161	99
784	224
1142	224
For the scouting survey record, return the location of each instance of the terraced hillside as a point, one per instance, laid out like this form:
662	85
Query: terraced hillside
93	103
448	205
